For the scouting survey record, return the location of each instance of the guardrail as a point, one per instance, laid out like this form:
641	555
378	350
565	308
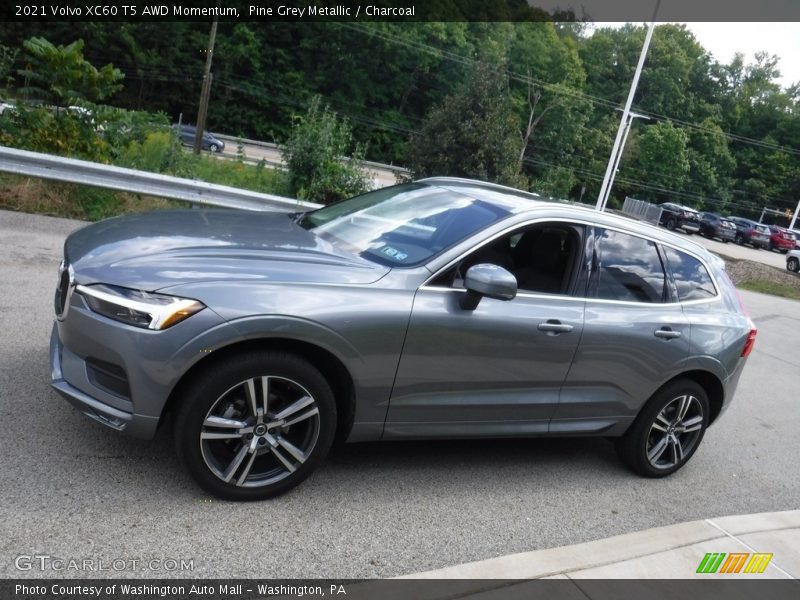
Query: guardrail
234	141
58	168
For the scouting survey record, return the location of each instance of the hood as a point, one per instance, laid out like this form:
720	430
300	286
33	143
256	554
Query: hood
154	250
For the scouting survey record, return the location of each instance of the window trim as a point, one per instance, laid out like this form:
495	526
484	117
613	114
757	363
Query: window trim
585	264
575	276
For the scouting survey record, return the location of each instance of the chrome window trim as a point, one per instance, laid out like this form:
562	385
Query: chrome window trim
578	221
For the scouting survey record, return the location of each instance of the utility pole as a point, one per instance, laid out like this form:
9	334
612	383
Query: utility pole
605	188
206	89
794	216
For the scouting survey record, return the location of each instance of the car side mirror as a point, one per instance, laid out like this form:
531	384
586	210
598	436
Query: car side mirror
487	280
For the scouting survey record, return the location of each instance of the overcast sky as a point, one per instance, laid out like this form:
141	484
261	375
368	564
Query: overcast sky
723	40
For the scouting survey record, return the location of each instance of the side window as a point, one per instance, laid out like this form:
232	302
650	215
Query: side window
628	268
542	257
691	277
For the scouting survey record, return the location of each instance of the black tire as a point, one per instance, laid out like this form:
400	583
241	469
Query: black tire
232	391
725	241
739	239
671	223
213	148
793	264
645	435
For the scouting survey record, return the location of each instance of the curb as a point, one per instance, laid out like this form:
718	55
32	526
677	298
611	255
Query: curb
610	551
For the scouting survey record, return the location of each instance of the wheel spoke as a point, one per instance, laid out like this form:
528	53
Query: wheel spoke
677	450
295	407
214	421
246	471
683	407
306	415
289	466
693	424
657	450
663	421
264	394
236	462
658	426
250	393
298	454
220	435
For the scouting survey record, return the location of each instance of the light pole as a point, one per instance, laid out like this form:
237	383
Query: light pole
618	158
604	189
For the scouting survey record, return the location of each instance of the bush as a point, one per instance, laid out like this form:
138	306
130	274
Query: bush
315	156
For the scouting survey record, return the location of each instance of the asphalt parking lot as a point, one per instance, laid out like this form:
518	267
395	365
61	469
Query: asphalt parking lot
70	488
772	258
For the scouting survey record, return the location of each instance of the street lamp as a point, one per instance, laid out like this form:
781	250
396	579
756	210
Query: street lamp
624	123
631	117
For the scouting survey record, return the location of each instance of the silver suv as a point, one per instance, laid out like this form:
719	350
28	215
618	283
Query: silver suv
444	308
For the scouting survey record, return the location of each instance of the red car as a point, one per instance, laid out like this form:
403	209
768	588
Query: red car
781	238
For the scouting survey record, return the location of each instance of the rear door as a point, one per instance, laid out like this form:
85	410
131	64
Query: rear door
635	336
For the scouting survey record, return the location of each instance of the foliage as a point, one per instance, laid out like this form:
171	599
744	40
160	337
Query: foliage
473	133
315	155
60	75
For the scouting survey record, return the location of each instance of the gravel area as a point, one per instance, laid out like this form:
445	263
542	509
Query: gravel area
747	270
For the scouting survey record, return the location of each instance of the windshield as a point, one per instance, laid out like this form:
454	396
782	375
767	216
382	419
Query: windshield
404	225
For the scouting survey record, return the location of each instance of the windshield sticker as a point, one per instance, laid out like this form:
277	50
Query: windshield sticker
394	253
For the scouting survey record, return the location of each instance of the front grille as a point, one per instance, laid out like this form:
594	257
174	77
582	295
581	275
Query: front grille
63	288
109	377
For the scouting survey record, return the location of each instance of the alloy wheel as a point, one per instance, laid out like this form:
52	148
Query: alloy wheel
260	431
675	432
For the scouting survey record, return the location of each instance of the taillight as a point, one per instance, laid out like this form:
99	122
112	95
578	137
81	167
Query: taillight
751	341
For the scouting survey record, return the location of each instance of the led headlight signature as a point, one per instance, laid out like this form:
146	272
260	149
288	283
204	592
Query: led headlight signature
140	309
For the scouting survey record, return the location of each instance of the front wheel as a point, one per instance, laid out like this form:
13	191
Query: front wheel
793	265
214	148
671	223
667	431
254	426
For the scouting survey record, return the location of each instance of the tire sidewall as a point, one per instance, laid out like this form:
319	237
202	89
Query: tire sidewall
633	445
206	389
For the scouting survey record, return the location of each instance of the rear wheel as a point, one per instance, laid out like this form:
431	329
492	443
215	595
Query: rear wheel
667	431
793	264
254	426
739	239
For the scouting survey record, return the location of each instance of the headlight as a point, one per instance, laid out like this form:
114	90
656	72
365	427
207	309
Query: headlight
137	308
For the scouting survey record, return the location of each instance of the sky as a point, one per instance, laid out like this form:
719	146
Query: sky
723	40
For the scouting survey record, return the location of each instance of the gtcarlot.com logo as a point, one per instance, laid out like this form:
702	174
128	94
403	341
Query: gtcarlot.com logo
46	562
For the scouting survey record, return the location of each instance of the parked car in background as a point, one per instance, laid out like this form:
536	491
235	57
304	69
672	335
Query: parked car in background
793	261
714	226
188	133
781	239
796	233
750	232
444	308
675	216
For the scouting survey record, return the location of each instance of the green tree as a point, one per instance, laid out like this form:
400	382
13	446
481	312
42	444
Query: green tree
60	75
316	156
663	158
473	133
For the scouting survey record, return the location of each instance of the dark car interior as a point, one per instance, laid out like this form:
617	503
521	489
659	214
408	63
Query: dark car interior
542	258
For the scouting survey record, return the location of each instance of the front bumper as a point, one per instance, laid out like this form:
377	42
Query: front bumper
120	375
140	426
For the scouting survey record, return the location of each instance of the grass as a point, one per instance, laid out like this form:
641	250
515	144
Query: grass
770	287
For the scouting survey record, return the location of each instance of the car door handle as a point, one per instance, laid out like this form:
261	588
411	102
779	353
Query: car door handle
555	326
667	333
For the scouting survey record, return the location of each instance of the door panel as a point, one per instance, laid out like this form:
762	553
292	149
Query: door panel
487	372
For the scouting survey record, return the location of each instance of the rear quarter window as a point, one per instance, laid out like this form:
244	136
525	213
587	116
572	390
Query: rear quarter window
691	277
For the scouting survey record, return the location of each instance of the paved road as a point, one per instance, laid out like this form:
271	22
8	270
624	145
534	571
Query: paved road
767	257
381	175
72	489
